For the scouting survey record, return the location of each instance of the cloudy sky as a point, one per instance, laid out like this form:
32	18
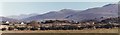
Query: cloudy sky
13	7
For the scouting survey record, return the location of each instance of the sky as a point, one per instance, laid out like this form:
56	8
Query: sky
59	0
13	7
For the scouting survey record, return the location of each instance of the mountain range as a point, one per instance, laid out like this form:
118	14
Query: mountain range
110	10
53	15
19	17
7	19
106	11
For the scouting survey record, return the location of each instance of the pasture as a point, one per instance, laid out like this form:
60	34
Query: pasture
65	32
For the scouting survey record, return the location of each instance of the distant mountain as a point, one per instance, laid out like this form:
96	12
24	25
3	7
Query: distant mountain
22	16
7	19
53	15
110	10
98	13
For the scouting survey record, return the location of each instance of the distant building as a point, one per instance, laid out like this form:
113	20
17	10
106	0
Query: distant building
7	22
22	23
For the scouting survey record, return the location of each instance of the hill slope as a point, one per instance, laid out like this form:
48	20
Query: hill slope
110	10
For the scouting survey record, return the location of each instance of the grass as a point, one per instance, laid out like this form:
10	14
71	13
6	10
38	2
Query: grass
65	32
115	30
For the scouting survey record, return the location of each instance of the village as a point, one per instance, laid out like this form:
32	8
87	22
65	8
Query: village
57	25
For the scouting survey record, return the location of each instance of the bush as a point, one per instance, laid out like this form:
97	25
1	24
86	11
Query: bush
3	29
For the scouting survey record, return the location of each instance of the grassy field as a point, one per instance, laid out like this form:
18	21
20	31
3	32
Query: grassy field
65	32
68	31
119	31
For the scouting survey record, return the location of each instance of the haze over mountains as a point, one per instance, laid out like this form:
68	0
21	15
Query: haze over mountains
110	10
22	16
7	19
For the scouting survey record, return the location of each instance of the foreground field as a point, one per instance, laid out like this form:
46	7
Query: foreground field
64	32
68	31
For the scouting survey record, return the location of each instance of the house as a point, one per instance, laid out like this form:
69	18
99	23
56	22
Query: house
22	23
7	22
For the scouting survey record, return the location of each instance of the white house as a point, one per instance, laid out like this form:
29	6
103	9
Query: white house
7	22
22	23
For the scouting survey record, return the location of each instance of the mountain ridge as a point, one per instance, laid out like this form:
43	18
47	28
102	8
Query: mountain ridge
109	10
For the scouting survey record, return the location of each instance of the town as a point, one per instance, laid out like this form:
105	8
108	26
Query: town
108	23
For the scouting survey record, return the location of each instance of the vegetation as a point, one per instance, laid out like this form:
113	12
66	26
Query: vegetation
108	23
